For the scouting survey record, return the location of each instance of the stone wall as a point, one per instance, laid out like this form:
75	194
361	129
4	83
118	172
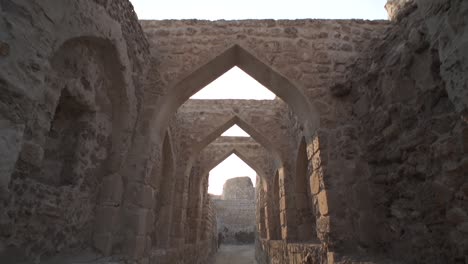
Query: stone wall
365	152
68	107
239	188
409	112
277	251
236	211
314	55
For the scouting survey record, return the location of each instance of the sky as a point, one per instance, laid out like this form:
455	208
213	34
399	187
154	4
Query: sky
235	131
231	167
235	84
260	9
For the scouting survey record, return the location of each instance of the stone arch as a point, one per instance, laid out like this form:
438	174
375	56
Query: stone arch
194	185
304	211
200	185
116	101
94	78
288	221
242	156
197	188
236	120
236	55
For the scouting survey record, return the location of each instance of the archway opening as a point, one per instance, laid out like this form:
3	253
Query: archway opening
191	83
231	167
235	205
234	84
235	131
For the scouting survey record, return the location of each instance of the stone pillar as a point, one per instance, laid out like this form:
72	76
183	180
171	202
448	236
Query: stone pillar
262	220
287	209
179	212
194	209
315	154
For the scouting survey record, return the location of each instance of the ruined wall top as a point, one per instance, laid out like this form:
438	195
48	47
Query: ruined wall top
396	8
240	188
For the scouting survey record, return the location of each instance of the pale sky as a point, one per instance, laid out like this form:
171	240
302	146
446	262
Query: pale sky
260	9
235	131
231	167
236	84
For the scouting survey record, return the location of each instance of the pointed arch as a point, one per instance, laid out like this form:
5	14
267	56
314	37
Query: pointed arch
236	120
239	154
236	55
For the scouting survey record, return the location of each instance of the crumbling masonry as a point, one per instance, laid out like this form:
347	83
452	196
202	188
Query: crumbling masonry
361	158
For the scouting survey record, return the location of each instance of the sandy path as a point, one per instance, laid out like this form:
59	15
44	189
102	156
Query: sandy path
234	254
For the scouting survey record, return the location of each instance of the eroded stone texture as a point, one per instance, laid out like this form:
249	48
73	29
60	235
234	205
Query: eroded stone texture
361	159
72	105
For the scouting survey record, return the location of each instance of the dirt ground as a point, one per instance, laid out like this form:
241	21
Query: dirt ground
235	254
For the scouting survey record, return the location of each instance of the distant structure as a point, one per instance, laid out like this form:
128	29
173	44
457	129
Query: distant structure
235	211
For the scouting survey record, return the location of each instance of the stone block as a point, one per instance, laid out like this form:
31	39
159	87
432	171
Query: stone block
283	219
315	181
283	203
330	258
323	202
284	233
317	161
323	224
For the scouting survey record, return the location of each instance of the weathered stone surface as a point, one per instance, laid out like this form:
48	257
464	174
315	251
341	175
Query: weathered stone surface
4	49
235	211
239	188
100	149
10	145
